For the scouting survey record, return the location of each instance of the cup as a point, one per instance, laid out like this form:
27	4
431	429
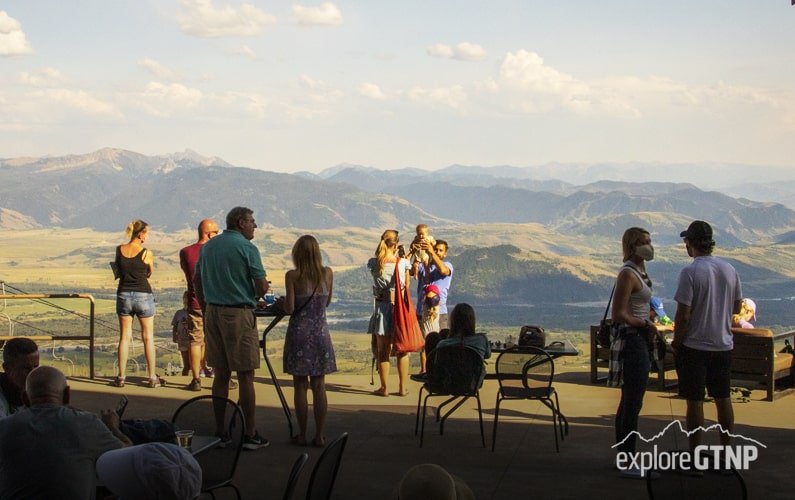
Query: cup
184	438
270	298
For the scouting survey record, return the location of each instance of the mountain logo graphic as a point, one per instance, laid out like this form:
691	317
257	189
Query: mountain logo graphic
718	457
677	423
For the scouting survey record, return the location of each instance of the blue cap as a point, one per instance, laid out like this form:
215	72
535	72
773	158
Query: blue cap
656	303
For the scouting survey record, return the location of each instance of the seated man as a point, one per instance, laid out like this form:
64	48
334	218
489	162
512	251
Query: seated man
49	450
20	356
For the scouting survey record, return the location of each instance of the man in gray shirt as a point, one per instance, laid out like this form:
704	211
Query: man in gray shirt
709	291
49	450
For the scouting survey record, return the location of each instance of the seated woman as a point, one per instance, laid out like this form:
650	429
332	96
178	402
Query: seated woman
462	331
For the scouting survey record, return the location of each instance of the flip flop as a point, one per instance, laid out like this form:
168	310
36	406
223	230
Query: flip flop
381	392
404	393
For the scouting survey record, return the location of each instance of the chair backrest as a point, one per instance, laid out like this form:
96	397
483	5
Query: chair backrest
457	370
678	486
325	472
524	367
199	415
298	466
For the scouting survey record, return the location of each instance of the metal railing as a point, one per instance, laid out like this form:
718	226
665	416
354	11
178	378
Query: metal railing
89	337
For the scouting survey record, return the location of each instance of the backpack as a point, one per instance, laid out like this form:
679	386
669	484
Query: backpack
532	335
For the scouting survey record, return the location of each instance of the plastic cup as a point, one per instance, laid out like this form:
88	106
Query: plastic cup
184	438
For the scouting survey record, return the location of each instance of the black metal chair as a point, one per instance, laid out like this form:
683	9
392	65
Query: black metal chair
525	372
292	481
679	485
325	472
456	371
219	463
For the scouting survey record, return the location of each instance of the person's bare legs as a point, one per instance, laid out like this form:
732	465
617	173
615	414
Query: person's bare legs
695	419
204	357
725	419
221	389
248	398
195	359
148	338
384	347
403	372
319	407
423	361
125	334
300	386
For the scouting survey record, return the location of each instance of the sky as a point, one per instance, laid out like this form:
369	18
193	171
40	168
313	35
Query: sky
286	86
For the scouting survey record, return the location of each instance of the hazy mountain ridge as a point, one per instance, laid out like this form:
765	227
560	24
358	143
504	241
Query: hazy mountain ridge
106	188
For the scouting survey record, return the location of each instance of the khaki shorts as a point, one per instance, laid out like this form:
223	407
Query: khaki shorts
232	340
196	325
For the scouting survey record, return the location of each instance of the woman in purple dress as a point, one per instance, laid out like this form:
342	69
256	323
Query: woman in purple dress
308	353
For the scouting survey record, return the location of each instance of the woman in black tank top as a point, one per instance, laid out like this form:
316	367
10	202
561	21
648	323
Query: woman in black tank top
134	298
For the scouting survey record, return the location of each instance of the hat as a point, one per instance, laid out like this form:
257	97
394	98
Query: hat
152	470
750	304
698	230
431	295
431	289
656	304
431	482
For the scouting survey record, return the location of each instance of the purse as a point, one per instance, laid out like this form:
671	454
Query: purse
604	335
406	334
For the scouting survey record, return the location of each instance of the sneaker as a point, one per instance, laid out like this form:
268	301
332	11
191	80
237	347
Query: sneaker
156	382
226	440
232	384
195	385
255	442
420	377
209	373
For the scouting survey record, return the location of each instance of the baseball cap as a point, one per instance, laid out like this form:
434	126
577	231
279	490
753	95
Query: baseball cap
656	303
152	470
698	230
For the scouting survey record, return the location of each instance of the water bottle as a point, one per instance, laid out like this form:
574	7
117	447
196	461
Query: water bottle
270	298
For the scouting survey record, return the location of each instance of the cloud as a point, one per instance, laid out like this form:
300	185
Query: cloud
371	91
201	18
454	97
320	91
77	99
464	51
165	100
12	39
158	70
45	77
243	50
325	14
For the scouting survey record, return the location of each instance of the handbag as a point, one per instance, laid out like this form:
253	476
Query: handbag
406	334
604	335
532	335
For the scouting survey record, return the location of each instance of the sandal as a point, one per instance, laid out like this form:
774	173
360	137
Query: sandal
403	393
156	382
381	392
117	382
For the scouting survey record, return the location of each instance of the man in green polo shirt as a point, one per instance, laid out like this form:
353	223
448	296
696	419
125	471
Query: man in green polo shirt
229	278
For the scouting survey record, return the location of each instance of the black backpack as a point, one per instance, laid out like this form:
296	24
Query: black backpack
533	335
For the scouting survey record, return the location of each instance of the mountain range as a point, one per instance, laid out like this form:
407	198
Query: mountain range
105	189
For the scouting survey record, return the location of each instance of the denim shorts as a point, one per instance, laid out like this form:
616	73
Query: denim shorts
139	304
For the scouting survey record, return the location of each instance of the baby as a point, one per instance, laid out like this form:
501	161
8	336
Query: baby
418	254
